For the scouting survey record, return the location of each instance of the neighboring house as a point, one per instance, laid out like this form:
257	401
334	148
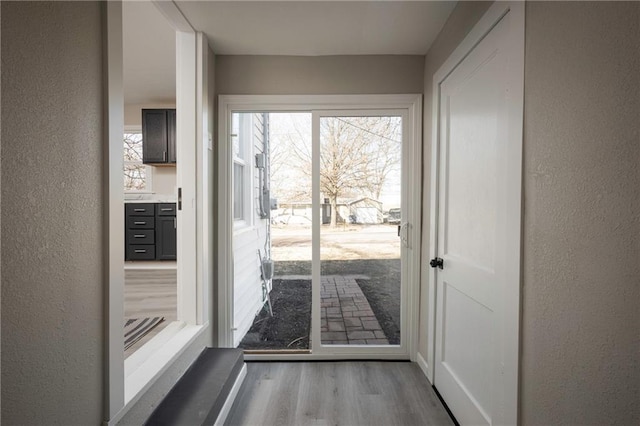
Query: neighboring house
366	211
579	318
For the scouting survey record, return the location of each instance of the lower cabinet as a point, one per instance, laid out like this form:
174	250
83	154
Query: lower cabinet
166	238
150	231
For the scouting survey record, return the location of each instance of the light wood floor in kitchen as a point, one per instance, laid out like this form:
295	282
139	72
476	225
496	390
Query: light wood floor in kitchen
336	393
150	293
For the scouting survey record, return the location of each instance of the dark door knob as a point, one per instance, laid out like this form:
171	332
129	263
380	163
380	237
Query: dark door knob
437	263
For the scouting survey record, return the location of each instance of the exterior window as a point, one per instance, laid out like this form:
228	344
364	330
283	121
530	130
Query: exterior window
241	177
238	191
136	176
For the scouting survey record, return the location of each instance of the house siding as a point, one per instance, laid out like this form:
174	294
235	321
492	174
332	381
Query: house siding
247	289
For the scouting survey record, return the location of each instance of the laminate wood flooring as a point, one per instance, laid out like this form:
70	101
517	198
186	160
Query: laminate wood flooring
150	293
336	393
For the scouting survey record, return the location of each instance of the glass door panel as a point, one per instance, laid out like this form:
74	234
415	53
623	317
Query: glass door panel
360	162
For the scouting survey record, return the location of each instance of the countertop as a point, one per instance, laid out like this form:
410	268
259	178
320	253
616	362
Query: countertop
149	198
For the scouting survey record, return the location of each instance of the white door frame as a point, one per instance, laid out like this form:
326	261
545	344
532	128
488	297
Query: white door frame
412	105
511	297
194	229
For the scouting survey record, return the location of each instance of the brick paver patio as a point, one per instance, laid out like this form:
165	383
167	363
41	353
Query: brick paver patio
346	316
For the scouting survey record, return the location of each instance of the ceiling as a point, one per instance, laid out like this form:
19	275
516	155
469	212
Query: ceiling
305	28
311	28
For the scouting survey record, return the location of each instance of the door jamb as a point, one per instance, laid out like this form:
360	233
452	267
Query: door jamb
193	57
511	328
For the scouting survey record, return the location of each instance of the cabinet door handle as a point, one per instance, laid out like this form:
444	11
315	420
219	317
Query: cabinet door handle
139	236
175	224
139	223
170	209
164	155
140	251
139	210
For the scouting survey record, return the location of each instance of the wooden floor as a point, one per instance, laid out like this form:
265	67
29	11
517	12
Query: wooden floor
336	393
150	293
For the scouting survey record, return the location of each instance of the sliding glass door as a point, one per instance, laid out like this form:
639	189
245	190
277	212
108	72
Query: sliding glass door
320	206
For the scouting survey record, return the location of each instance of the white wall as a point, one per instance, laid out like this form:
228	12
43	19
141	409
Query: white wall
580	315
163	178
52	151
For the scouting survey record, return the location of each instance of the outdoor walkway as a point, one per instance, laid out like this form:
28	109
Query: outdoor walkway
346	316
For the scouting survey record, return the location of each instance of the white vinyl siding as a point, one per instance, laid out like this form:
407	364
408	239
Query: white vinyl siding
248	239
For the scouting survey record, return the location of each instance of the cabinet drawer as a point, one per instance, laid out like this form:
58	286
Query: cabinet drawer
141	252
140	209
141	236
141	222
166	209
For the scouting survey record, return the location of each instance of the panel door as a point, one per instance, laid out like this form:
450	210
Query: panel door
473	204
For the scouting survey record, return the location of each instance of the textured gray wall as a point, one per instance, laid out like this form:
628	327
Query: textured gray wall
52	290
303	75
460	22
580	326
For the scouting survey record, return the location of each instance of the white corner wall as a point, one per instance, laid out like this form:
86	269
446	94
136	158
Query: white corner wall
52	151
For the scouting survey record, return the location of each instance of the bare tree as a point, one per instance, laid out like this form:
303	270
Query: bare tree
134	170
288	132
357	155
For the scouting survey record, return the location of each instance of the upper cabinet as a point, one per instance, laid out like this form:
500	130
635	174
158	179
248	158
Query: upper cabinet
159	136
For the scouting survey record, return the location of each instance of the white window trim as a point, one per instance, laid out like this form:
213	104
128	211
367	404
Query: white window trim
309	103
247	221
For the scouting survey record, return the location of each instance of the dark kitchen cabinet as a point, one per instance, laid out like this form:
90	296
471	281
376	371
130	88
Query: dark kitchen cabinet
150	231
139	231
159	136
166	238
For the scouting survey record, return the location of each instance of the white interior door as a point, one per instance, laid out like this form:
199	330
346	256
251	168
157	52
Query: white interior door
478	205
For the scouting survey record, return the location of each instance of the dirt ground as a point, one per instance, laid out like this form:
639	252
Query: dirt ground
291	322
370	252
344	242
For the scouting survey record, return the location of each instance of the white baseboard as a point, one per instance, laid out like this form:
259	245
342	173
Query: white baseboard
226	408
422	363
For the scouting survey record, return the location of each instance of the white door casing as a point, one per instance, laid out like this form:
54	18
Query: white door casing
477	218
410	105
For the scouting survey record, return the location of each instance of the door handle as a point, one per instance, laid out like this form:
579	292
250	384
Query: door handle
403	233
437	262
